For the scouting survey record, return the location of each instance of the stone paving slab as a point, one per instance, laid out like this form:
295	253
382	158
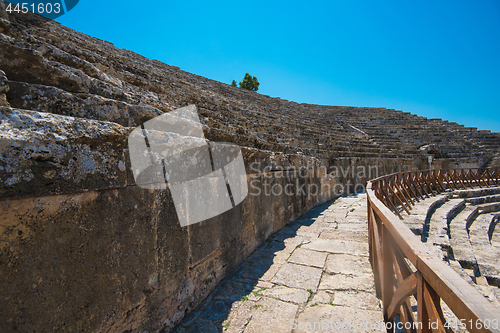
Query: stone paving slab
292	295
308	258
340	263
262	271
314	270
338	246
328	318
357	236
347	282
298	276
357	299
270	316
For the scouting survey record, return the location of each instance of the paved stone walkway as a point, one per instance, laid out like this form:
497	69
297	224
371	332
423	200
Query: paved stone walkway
312	276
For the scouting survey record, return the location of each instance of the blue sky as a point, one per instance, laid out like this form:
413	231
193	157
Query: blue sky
438	59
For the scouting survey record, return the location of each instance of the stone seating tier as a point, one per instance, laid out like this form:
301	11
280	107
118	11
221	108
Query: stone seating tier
89	78
461	228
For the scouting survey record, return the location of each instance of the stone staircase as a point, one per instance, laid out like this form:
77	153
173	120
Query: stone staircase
51	68
461	228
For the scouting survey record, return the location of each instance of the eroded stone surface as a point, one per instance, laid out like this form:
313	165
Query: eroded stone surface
298	276
347	282
270	315
348	264
357	299
338	246
47	153
286	294
327	318
308	258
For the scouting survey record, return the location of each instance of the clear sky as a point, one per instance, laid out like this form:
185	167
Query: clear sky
438	59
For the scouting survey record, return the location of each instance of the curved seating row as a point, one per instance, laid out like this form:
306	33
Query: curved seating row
460	227
89	78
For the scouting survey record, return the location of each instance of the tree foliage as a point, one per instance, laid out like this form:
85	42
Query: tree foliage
234	83
250	83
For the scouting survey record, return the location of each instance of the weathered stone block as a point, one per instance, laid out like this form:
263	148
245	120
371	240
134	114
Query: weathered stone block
76	258
43	153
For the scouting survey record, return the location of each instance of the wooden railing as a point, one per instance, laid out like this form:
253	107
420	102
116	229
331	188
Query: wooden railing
407	274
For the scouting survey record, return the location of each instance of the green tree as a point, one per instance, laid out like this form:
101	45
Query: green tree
234	83
250	83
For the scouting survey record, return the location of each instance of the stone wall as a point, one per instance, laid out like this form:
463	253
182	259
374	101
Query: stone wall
82	248
85	249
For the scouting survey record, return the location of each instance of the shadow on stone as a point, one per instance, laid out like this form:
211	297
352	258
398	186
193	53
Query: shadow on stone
250	278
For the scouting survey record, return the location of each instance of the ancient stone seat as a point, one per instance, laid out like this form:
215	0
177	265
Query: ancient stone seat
459	227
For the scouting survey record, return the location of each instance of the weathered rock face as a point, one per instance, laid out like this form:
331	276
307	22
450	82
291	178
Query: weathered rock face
82	248
4	88
44	153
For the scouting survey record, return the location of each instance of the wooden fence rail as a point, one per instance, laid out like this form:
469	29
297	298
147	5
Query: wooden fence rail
407	274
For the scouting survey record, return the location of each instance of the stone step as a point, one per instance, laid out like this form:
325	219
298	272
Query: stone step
487	255
436	232
421	213
472	251
95	67
83	105
477	192
459	239
494	231
479	283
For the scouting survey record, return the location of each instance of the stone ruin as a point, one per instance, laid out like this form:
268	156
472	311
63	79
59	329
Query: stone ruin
460	227
83	248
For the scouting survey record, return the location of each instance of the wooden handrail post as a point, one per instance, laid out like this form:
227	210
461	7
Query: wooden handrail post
417	188
442	176
480	175
494	181
376	255
422	315
436	179
450	180
388	280
408	186
471	175
464	175
405	193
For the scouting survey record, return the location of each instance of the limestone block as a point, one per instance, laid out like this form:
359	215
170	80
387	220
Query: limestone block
42	153
79	258
325	318
4	88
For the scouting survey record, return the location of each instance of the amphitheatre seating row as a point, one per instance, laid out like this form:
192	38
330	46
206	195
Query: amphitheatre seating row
459	227
89	78
451	269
